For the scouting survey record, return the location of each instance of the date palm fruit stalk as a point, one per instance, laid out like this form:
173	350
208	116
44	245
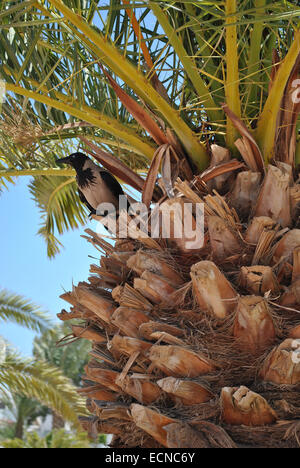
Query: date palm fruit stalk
201	348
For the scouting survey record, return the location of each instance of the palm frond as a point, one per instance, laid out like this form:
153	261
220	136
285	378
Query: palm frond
43	382
60	208
71	359
56	439
17	309
179	60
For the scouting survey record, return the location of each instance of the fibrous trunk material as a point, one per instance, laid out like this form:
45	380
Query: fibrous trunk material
199	348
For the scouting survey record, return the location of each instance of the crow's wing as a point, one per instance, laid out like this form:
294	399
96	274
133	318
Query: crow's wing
84	200
112	183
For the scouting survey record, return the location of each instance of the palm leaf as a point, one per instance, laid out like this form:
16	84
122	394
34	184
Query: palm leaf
17	309
43	382
54	80
60	207
56	439
232	84
267	125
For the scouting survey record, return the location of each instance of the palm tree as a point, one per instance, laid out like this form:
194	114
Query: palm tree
70	359
33	378
57	90
24	411
190	348
16	309
55	439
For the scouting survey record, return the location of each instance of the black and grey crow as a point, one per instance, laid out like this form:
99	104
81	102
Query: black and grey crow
95	184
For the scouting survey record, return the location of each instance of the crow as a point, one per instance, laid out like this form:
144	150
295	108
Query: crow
95	184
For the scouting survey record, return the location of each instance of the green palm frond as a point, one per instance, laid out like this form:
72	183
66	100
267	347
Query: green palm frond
23	408
199	54
35	379
55	439
17	309
53	189
43	382
71	359
60	207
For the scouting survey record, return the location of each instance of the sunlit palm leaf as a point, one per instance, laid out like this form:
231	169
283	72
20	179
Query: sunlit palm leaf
71	359
54	53
61	209
17	309
43	382
56	439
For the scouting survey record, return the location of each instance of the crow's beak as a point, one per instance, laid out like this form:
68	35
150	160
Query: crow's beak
66	160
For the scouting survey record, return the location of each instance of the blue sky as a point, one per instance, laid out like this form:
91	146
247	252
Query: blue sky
25	268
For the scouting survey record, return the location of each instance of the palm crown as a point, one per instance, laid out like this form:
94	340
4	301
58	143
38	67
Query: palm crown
177	63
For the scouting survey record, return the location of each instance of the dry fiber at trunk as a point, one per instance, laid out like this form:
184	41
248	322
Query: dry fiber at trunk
199	348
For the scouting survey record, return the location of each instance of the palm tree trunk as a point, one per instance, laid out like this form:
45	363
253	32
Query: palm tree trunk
19	429
57	421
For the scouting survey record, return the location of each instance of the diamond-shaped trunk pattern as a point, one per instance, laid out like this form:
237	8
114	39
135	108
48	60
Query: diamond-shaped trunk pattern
199	348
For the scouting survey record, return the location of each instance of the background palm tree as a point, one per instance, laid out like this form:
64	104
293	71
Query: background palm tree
33	378
70	359
17	309
24	411
55	440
